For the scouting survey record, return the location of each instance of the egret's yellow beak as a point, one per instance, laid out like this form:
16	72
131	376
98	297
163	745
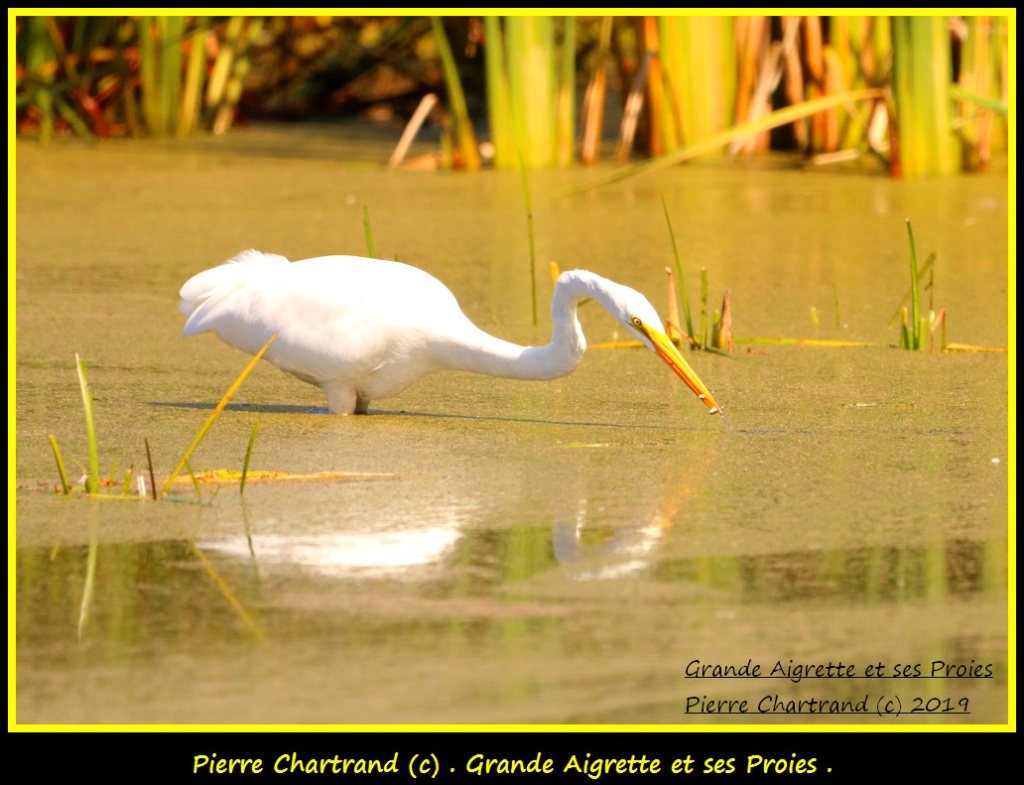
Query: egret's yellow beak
667	351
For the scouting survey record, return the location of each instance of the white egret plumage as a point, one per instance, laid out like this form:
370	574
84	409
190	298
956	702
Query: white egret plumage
363	329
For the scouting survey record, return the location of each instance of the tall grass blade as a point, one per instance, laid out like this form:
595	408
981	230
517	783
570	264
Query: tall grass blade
371	249
529	229
215	414
915	293
248	455
192	97
924	269
469	154
565	130
93	481
152	476
683	296
64	484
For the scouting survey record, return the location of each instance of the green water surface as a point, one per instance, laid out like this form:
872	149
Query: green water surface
540	552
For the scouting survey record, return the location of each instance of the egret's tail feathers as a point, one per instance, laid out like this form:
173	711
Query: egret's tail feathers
204	294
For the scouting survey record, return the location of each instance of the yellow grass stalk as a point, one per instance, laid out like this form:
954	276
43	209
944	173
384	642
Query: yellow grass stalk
215	414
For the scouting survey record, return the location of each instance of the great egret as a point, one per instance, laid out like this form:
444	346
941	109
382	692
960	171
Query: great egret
362	329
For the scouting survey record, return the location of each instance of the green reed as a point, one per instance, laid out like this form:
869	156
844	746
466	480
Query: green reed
698	58
64	484
248	455
215	414
915	327
117	75
530	233
530	72
469	154
922	76
371	248
680	278
93	477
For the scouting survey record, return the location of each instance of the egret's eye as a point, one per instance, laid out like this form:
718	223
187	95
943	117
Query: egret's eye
637	322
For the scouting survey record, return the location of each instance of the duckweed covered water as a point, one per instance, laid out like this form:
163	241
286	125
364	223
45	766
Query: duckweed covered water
558	552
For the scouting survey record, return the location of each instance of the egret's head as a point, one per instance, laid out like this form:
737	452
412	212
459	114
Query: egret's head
643	320
632	309
637	313
625	305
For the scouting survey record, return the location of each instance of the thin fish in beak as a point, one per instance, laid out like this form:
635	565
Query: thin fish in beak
667	351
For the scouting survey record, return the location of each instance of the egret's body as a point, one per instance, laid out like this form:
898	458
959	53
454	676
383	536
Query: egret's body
362	329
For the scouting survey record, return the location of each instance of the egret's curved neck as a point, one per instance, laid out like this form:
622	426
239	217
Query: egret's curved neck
495	357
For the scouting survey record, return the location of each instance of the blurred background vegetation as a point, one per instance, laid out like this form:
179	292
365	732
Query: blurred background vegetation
925	94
